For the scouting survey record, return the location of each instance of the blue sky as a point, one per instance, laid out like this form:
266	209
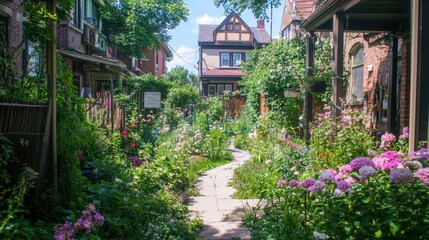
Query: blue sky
184	40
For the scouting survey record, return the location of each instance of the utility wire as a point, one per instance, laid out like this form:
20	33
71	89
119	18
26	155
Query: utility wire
192	64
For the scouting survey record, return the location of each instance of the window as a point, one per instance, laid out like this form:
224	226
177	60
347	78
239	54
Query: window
76	14
232	59
92	13
237	59
31	58
218	89
224	59
3	36
356	83
212	90
233	26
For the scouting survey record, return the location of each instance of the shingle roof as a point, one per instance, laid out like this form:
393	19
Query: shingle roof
206	34
219	72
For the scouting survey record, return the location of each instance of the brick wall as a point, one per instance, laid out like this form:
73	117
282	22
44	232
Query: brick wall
376	53
69	38
148	65
13	12
405	82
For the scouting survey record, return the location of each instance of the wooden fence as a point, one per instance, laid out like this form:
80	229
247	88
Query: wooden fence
233	106
100	110
27	125
263	104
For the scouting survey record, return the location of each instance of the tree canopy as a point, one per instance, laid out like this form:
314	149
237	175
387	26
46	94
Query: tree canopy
258	7
182	76
133	24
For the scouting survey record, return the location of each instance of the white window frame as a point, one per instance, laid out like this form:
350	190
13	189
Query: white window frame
234	59
226	55
213	86
228	87
220	89
354	94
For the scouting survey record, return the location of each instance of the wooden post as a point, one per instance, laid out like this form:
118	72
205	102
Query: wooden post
337	82
413	128
308	96
112	106
51	70
392	123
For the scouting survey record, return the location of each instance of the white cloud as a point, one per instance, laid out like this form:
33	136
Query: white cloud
206	19
187	56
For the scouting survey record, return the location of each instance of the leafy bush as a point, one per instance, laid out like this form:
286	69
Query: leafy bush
180	96
335	143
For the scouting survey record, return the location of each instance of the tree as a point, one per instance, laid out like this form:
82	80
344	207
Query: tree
179	75
258	7
133	24
281	65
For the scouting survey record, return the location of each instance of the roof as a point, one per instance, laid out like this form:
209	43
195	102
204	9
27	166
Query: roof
206	31
224	72
303	9
94	59
206	34
362	15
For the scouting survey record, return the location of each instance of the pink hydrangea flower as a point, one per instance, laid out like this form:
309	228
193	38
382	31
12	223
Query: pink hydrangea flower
387	160
404	134
281	182
386	140
423	175
346	168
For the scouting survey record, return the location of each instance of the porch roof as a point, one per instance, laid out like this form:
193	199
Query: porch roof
362	15
96	60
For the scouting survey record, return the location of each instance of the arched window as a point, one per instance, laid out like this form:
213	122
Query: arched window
356	80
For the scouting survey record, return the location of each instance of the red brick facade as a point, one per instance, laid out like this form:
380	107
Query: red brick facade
12	11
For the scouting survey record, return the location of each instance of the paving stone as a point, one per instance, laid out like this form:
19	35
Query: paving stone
225	192
221	214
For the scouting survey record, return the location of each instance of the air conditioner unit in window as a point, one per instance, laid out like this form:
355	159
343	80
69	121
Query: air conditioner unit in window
90	35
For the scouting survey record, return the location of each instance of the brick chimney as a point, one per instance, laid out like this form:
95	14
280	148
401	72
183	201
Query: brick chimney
261	24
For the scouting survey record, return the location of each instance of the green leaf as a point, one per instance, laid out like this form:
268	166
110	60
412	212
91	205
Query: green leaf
394	228
378	234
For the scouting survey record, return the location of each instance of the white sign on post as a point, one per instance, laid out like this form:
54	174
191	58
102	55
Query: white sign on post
152	100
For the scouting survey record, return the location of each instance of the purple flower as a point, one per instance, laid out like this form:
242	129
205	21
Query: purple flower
306	183
401	175
372	152
317	186
91	207
387	160
338	193
341	176
422	153
367	171
86	214
423	175
293	183
359	162
64	232
343	185
281	182
346	119
331	171
98	219
326	177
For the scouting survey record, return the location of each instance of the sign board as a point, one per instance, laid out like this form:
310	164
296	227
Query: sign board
152	100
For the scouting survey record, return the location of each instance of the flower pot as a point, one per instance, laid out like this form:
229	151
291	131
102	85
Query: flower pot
318	87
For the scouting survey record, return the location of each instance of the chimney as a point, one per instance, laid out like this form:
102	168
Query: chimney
261	24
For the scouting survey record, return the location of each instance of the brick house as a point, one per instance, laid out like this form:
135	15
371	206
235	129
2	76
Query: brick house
293	13
95	65
25	55
223	48
379	45
155	61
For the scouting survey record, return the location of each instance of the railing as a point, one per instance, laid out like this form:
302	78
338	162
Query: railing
100	110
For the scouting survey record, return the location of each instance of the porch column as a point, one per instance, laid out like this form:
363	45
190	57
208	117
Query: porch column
392	111
337	82
308	96
414	74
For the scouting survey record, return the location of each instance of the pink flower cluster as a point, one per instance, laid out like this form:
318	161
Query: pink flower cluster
386	140
89	220
401	172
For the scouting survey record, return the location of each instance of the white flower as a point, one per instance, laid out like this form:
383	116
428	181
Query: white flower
319	235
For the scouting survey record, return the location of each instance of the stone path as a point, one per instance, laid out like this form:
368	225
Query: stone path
221	214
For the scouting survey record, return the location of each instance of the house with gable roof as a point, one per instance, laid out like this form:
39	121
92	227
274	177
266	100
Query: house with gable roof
222	49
